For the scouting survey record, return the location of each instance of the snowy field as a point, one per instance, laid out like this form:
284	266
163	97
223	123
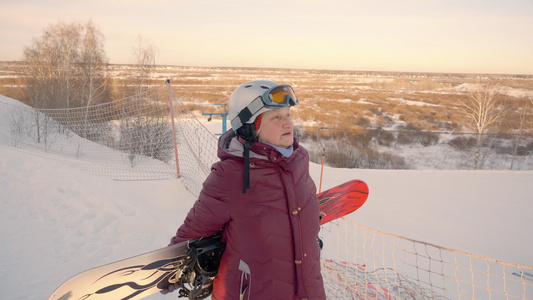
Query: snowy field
57	221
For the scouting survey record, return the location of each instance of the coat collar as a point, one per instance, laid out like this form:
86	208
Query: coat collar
231	145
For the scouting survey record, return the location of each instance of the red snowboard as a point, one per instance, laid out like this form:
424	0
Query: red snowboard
341	200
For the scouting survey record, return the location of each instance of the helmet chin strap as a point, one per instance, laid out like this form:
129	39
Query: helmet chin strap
246	175
247	132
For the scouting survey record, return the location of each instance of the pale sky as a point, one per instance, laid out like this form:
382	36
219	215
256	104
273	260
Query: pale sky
455	36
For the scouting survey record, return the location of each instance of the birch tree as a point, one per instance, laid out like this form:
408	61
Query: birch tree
483	109
144	55
66	68
93	67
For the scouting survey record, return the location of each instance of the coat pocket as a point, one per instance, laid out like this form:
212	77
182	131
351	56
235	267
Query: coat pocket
246	280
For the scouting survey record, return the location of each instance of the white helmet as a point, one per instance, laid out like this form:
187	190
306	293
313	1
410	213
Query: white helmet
253	98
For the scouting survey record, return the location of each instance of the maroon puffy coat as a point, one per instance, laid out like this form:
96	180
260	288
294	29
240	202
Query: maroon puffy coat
270	232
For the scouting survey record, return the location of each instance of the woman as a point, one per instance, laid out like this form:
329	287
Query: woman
261	197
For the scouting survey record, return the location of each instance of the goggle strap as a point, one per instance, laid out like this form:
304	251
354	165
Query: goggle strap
245	114
293	102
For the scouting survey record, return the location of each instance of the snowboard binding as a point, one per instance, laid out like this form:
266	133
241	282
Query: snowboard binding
200	267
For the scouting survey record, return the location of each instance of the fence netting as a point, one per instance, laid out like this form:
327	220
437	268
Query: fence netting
363	263
132	139
127	139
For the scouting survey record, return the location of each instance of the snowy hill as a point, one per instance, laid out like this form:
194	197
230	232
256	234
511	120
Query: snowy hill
56	221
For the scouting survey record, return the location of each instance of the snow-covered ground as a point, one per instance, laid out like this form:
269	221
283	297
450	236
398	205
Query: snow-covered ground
56	221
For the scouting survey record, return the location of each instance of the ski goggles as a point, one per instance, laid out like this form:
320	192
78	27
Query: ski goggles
275	97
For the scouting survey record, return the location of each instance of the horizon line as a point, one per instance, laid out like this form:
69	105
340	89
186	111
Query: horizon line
313	69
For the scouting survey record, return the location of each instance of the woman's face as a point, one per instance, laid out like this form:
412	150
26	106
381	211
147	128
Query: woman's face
277	127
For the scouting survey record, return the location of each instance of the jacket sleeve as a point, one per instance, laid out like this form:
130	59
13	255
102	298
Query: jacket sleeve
210	212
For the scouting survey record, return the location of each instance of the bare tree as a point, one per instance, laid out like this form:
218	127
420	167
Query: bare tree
483	109
40	67
143	133
68	39
522	117
93	66
51	64
66	67
92	74
144	55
